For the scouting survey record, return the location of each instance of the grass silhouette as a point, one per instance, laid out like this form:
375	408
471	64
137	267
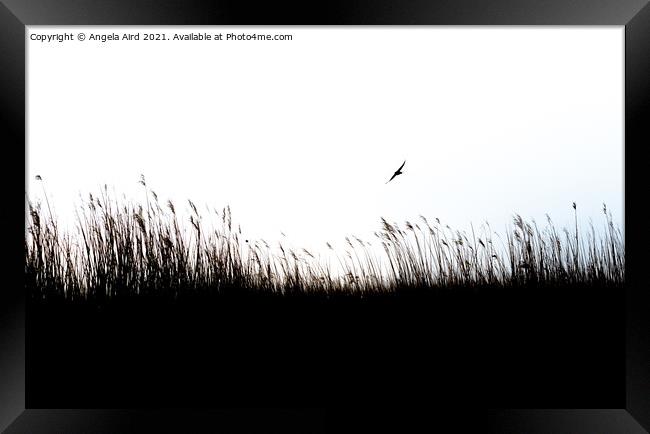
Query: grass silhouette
120	249
181	309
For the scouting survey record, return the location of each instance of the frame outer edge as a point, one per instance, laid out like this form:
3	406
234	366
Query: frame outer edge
12	313
12	296
637	137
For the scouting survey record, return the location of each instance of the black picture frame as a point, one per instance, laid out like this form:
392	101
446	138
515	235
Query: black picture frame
15	15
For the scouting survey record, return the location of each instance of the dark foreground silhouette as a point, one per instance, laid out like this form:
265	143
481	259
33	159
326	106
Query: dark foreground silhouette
516	347
135	310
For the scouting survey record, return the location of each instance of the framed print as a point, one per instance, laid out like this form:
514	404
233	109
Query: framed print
281	218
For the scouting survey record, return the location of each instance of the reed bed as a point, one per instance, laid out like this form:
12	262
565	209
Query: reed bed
118	249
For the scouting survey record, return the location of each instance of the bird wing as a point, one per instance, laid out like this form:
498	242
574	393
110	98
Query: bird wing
400	167
391	178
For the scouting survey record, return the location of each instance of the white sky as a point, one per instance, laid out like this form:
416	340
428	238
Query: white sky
300	136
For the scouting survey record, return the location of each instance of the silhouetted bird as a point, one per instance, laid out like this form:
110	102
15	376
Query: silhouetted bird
398	172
